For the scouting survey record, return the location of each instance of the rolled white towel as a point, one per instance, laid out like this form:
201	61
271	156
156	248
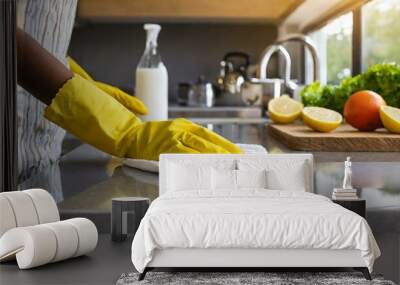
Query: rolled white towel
40	244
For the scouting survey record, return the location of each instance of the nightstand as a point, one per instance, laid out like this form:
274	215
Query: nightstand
127	212
357	206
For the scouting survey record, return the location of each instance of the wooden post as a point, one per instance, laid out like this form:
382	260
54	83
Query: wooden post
356	65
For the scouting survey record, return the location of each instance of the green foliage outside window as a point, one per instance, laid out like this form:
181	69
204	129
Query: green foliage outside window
338	57
338	36
381	32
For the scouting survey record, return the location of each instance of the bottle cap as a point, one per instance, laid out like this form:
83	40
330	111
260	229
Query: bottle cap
152	31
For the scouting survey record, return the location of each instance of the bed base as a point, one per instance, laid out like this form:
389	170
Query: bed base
242	259
363	270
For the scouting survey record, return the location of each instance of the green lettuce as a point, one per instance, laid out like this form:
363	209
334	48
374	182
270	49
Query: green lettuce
384	79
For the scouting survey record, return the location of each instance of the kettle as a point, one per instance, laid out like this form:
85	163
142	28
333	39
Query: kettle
233	73
201	94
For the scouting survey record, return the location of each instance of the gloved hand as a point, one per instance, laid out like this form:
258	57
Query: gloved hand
130	102
89	113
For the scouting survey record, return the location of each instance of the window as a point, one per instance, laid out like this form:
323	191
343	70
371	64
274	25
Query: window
334	44
377	24
380	32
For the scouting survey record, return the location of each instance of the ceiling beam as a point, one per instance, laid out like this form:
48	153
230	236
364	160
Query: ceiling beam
274	11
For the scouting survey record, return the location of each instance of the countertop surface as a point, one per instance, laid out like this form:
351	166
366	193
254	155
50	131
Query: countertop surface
85	179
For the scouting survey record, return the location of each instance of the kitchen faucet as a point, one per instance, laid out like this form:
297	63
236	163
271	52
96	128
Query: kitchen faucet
275	87
266	56
309	44
272	87
288	84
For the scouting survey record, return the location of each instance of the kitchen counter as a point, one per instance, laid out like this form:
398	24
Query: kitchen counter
230	120
85	179
241	112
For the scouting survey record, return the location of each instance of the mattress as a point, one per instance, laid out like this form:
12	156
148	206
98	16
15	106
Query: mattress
252	219
153	165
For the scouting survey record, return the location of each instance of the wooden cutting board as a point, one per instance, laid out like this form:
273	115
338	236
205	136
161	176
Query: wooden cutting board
345	138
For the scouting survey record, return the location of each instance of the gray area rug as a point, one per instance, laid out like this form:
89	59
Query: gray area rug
269	278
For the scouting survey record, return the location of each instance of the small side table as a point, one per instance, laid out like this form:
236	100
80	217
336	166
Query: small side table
127	212
357	206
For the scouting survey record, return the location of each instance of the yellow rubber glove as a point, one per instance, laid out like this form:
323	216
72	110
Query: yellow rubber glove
130	102
89	113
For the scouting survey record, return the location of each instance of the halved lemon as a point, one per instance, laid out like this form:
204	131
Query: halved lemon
390	117
321	119
284	110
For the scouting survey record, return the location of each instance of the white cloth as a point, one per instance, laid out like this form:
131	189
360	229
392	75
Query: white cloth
152	165
256	218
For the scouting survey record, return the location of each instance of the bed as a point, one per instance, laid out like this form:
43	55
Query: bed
246	211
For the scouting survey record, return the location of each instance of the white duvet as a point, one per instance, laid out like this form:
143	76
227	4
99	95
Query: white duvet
250	219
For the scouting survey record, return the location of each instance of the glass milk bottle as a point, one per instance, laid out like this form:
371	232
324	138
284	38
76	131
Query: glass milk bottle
152	78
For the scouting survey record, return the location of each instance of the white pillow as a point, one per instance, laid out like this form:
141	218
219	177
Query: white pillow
182	177
223	179
295	181
227	179
251	178
282	174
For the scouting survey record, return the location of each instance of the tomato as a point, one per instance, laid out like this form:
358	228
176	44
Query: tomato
362	110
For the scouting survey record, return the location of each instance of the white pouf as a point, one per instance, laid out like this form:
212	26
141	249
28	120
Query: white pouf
7	220
31	231
45	205
37	245
23	209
